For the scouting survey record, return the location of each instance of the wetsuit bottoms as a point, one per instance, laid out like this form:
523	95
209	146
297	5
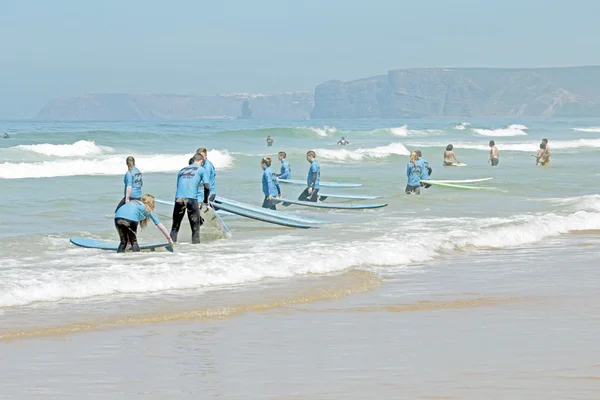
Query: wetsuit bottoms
193	210
211	198
447	163
122	202
270	204
127	233
494	162
309	197
412	189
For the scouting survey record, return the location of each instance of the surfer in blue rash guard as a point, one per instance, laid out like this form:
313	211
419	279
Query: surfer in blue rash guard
413	172
426	170
212	173
270	186
190	181
286	169
312	181
133	183
129	215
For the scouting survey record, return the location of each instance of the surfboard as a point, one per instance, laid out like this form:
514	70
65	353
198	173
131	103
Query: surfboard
451	185
324	184
456	165
266	211
104	245
458	181
263	217
334	205
211	219
323	196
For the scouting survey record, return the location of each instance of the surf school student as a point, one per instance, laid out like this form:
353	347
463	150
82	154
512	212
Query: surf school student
413	172
426	170
286	169
129	215
449	155
270	186
547	151
269	141
133	183
343	142
312	181
190	181
212	174
494	154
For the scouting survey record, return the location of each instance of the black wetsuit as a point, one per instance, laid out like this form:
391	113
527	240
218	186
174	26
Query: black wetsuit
314	196
127	233
193	210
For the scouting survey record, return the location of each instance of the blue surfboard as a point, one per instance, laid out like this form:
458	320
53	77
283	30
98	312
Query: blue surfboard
324	184
266	211
323	196
103	245
334	205
262	217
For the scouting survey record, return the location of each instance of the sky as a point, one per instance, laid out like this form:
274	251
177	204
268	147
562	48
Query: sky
61	48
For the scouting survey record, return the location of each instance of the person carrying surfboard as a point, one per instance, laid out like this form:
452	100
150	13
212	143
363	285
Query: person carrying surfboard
494	154
413	172
312	181
286	169
133	183
130	215
270	186
190	180
449	155
426	170
212	173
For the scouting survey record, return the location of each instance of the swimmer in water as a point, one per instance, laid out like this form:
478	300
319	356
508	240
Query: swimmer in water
449	156
494	154
190	180
342	142
269	141
540	157
212	173
133	183
130	215
286	169
413	172
313	179
6	135
270	186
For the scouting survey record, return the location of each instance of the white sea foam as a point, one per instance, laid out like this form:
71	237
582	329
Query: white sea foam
323	132
113	165
342	155
511	130
523	146
461	126
404	131
591	129
78	149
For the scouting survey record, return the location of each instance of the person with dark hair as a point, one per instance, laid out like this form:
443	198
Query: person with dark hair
312	181
449	156
494	154
546	152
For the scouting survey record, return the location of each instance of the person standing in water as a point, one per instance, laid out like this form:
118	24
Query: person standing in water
494	154
413	172
312	181
190	180
133	183
270	186
286	169
6	135
212	173
129	215
547	151
342	142
540	157
449	155
426	170
269	141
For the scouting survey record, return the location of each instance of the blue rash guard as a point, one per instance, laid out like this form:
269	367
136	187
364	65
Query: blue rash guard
189	180
270	186
413	172
424	165
133	179
316	171
212	176
135	210
286	170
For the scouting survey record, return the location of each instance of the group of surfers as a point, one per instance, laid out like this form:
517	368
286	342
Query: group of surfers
196	189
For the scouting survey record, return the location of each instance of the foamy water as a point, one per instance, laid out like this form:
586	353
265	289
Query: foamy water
511	130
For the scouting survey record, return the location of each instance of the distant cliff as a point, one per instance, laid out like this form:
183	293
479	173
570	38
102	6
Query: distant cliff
107	106
464	92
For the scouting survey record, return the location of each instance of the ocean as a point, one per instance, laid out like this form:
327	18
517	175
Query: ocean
450	294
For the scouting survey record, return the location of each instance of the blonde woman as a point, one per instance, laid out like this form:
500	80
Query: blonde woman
133	182
129	215
413	172
270	185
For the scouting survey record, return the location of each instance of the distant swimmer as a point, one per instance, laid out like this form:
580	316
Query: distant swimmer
426	170
547	152
540	157
129	215
286	169
6	136
270	186
449	156
190	180
269	141
133	183
312	181
413	172
212	174
494	154
342	142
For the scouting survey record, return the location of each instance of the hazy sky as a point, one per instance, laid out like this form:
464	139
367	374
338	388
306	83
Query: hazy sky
51	48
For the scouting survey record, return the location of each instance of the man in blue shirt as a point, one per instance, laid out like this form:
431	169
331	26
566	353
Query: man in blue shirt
192	186
212	173
286	169
312	180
